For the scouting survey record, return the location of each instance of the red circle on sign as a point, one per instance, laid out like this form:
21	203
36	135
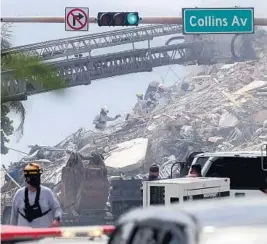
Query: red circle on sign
71	14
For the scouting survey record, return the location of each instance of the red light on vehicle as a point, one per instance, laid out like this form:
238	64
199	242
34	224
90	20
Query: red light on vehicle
108	229
9	233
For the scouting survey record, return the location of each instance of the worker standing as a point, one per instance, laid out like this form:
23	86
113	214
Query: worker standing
140	107
35	205
155	96
100	120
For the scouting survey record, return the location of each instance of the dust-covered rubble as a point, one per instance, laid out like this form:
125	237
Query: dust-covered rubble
224	109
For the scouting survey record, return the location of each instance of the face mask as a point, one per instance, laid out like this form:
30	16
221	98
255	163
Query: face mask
34	180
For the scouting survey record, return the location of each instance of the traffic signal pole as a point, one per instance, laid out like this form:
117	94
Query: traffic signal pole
93	20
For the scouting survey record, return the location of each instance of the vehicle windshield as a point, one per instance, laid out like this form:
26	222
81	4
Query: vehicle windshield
201	161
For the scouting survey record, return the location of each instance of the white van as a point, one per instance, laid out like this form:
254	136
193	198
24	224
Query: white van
247	170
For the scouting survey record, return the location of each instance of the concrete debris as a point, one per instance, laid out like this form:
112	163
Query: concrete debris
227	119
127	153
224	109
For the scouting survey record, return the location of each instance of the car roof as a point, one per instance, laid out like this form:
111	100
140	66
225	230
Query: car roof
232	154
186	180
232	235
215	212
230	211
68	240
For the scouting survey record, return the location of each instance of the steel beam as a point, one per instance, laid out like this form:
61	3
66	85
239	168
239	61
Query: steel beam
12	90
84	44
82	71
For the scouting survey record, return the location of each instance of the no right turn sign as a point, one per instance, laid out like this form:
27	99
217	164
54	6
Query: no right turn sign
76	19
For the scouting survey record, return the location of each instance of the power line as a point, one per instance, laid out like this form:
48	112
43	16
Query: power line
17	150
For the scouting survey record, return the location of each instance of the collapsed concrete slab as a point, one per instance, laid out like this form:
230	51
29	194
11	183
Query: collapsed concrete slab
127	153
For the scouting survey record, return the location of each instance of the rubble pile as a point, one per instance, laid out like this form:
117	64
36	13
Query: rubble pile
224	109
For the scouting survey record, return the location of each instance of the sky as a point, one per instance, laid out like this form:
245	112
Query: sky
51	118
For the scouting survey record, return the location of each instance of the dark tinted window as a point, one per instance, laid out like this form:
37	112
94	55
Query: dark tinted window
244	173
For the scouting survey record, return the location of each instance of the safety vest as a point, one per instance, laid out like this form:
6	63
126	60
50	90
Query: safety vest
33	211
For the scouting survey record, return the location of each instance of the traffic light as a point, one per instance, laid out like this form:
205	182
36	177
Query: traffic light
118	19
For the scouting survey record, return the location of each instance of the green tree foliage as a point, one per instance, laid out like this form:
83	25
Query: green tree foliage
32	70
27	68
7	128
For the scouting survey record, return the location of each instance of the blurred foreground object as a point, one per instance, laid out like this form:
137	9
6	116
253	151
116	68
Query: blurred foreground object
232	235
188	223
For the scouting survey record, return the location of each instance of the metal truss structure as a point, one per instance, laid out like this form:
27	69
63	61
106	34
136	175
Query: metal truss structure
85	44
84	70
77	69
81	71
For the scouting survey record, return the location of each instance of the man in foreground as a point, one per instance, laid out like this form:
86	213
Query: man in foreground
35	205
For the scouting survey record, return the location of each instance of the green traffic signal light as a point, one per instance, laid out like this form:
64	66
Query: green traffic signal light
132	19
118	19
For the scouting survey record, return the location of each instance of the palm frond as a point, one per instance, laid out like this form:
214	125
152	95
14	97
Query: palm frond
28	68
6	35
19	109
33	70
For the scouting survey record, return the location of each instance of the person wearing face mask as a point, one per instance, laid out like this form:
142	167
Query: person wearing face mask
35	205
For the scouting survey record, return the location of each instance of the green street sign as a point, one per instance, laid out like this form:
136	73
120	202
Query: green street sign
218	21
